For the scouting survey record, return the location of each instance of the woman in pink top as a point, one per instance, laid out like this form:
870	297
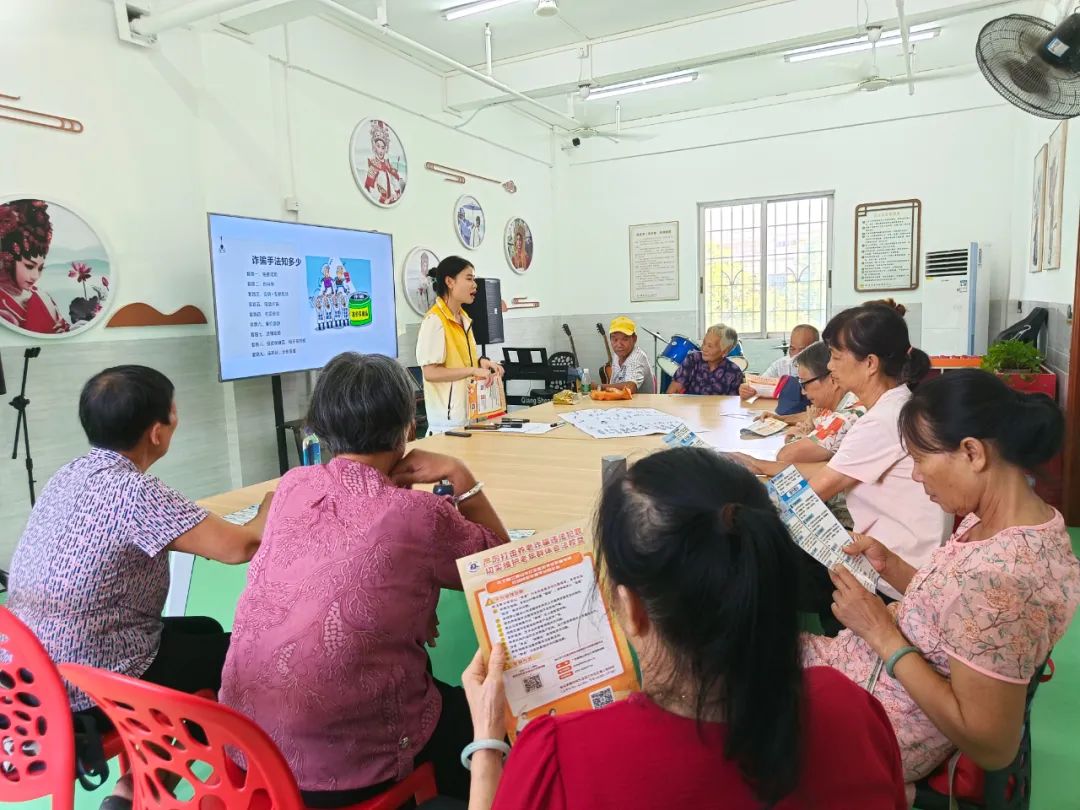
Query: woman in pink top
873	358
978	620
327	650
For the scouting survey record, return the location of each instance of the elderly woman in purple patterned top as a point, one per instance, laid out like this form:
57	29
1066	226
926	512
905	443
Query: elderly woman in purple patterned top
708	371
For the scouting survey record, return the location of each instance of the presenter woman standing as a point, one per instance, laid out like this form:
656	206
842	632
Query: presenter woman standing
446	349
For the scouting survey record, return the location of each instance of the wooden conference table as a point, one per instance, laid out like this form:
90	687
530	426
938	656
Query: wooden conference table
536	482
541	482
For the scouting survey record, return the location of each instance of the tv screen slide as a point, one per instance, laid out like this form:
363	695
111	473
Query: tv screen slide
289	297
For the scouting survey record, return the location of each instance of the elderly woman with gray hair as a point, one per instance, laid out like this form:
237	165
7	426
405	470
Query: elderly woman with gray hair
327	650
708	371
833	410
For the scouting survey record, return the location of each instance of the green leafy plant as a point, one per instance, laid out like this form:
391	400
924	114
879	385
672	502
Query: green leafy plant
1012	355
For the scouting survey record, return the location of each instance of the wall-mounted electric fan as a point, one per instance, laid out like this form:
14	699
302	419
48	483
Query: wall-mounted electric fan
1033	64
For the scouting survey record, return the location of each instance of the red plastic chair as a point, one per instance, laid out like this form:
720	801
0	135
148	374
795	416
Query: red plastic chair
37	737
170	734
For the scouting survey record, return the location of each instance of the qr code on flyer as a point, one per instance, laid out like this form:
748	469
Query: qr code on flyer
602	697
532	683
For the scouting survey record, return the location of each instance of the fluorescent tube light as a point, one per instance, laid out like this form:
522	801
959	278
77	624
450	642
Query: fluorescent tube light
637	85
917	33
477	7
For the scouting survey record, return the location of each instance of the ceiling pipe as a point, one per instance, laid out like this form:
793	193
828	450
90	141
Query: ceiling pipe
487	48
183	14
196	10
552	116
906	45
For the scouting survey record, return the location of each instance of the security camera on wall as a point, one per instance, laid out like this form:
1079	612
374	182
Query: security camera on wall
573	143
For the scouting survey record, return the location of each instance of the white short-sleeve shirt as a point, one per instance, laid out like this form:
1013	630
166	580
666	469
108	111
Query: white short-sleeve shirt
781	367
445	402
635	369
886	503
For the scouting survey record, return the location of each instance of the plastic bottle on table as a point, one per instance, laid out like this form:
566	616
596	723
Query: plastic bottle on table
586	385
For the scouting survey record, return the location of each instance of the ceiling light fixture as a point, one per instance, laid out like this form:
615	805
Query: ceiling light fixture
637	85
476	7
917	33
546	8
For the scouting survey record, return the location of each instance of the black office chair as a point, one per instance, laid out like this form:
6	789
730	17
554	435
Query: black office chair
1028	329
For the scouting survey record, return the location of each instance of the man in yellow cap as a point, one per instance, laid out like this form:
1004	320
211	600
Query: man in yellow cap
630	367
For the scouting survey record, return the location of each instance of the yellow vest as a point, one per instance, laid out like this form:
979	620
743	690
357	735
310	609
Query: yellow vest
461	352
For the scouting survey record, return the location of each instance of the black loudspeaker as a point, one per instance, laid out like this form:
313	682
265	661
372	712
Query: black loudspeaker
486	312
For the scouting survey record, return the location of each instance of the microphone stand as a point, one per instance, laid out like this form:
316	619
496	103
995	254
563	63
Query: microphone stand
22	426
656	339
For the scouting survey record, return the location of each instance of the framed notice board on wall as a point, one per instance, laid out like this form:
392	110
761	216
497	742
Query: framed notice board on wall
888	243
654	262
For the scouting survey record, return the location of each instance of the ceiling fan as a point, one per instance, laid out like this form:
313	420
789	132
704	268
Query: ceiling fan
579	105
617	135
875	81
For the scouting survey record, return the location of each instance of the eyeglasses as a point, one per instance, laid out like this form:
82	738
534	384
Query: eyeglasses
804	383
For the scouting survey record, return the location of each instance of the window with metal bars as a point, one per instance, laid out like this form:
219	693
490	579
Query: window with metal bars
766	263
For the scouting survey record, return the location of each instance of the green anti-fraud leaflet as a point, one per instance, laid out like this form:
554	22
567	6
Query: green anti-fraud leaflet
814	528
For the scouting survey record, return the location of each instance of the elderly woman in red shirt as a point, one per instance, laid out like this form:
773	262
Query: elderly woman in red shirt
698	567
327	649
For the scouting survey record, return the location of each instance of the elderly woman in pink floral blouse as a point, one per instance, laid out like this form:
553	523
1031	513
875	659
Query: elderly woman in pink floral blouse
951	661
327	649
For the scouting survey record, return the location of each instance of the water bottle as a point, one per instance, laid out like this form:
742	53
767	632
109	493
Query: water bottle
312	449
586	386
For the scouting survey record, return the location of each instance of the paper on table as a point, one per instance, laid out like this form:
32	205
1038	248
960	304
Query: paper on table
814	528
242	516
762	449
520	534
765	427
610	423
539	598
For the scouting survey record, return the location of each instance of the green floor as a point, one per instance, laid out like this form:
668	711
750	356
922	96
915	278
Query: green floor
1056	754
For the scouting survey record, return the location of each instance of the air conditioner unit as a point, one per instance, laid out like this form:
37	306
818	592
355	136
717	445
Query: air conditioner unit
956	305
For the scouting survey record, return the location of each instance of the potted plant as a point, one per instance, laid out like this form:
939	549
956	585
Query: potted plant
1021	367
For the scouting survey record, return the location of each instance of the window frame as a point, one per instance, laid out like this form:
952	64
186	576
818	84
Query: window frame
763	269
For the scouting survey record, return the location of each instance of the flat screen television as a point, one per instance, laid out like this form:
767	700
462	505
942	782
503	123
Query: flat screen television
289	297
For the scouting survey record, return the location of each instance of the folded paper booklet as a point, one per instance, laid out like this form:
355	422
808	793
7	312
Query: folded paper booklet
485	399
763	427
764	386
540	598
814	528
683	436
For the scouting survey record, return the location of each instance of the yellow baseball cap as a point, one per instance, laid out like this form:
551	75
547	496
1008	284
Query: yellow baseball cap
624	325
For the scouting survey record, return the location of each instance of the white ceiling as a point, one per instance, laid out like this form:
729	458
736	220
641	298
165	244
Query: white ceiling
768	76
736	46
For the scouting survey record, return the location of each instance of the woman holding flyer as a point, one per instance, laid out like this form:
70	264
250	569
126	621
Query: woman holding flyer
446	349
978	621
872	356
696	565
